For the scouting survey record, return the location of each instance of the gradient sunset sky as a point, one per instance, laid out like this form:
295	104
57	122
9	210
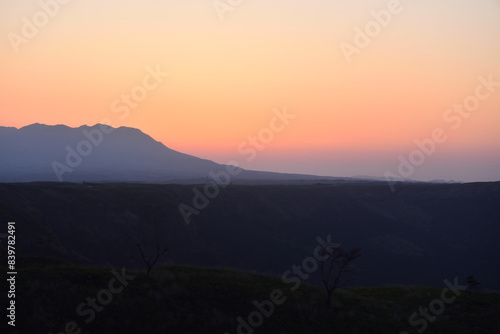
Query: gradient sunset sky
228	72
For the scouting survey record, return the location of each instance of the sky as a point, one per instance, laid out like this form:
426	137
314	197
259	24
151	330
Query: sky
338	88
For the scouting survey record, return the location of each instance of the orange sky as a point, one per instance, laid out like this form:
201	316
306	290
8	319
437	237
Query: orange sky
225	77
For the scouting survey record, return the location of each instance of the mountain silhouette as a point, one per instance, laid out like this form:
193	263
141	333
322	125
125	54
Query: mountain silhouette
100	153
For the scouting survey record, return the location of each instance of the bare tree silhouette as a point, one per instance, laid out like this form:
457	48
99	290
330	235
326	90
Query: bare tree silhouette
150	262
335	268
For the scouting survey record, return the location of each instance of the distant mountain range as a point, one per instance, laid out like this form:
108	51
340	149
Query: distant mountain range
100	153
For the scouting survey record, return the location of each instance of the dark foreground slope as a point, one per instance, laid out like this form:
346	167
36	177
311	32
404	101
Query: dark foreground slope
421	234
54	296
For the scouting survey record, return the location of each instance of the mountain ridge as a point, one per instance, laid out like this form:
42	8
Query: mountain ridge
100	153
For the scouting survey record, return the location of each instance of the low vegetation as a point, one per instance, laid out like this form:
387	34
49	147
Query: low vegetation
182	299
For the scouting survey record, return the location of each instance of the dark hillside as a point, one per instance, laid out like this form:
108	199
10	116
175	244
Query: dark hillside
187	300
419	235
